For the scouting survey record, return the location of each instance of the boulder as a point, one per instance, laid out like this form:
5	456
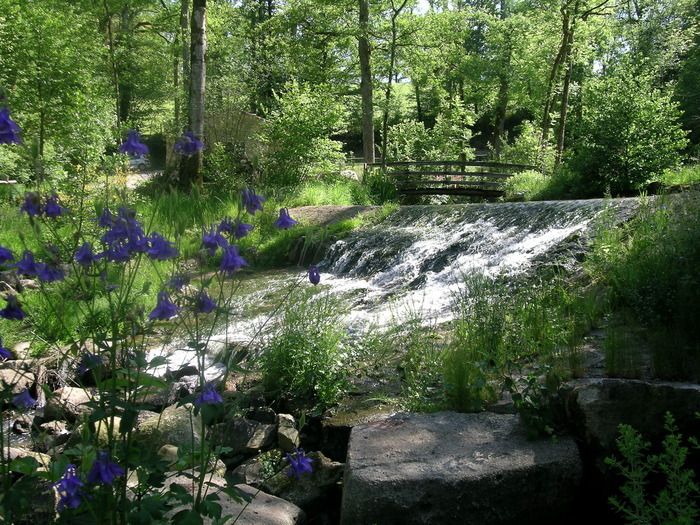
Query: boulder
174	426
18	379
243	436
253	508
311	489
68	403
287	433
597	407
457	468
44	460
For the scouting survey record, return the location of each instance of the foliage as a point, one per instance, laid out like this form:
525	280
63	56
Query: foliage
296	135
676	499
526	149
304	359
628	134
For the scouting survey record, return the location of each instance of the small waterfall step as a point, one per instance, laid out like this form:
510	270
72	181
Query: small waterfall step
448	467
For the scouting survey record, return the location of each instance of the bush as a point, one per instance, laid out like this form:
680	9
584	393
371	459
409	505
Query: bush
304	360
297	135
628	134
525	149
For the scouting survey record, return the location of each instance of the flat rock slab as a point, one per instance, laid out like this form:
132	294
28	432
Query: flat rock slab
457	468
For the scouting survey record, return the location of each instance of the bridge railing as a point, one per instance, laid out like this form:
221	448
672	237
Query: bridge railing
478	178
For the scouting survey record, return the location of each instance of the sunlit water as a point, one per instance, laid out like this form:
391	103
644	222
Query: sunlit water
416	261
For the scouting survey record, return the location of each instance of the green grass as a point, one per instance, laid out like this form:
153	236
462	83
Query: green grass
685	176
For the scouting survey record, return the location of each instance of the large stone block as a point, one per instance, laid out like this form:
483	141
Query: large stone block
457	468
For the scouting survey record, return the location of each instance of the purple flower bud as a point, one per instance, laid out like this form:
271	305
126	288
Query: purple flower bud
165	309
13	310
314	275
133	145
231	259
251	201
298	463
104	471
176	282
284	222
205	304
24	400
208	396
105	219
161	249
9	130
69	489
5	255
89	361
188	144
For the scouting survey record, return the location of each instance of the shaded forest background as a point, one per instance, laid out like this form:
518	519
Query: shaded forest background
605	91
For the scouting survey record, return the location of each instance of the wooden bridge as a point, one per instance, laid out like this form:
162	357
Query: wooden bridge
472	178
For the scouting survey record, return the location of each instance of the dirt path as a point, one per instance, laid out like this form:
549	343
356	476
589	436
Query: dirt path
325	215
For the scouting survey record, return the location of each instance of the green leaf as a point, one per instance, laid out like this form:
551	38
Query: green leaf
188	517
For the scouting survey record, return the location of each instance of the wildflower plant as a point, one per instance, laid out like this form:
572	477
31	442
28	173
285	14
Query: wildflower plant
119	346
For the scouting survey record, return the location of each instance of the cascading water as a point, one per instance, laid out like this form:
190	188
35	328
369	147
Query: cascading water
418	257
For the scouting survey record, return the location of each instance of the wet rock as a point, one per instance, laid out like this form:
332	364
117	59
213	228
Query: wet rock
54	428
287	433
44	460
457	468
29	284
243	436
312	489
18	379
68	403
22	350
176	426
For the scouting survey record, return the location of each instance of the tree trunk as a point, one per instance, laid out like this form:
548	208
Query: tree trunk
553	76
191	168
366	85
113	62
392	64
503	89
563	110
183	94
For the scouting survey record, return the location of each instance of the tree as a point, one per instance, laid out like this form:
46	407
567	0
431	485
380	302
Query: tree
366	89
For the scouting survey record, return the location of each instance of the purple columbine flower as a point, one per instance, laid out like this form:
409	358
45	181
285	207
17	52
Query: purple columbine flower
161	249
5	255
213	240
13	310
32	204
251	201
9	130
133	145
208	396
53	209
314	275
284	222
298	463
204	303
49	273
26	265
231	259
5	353
69	489
24	400
84	255
165	309
104	471
236	228
188	144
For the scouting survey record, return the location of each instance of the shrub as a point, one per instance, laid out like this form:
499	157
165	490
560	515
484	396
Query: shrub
628	134
297	135
525	149
304	359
